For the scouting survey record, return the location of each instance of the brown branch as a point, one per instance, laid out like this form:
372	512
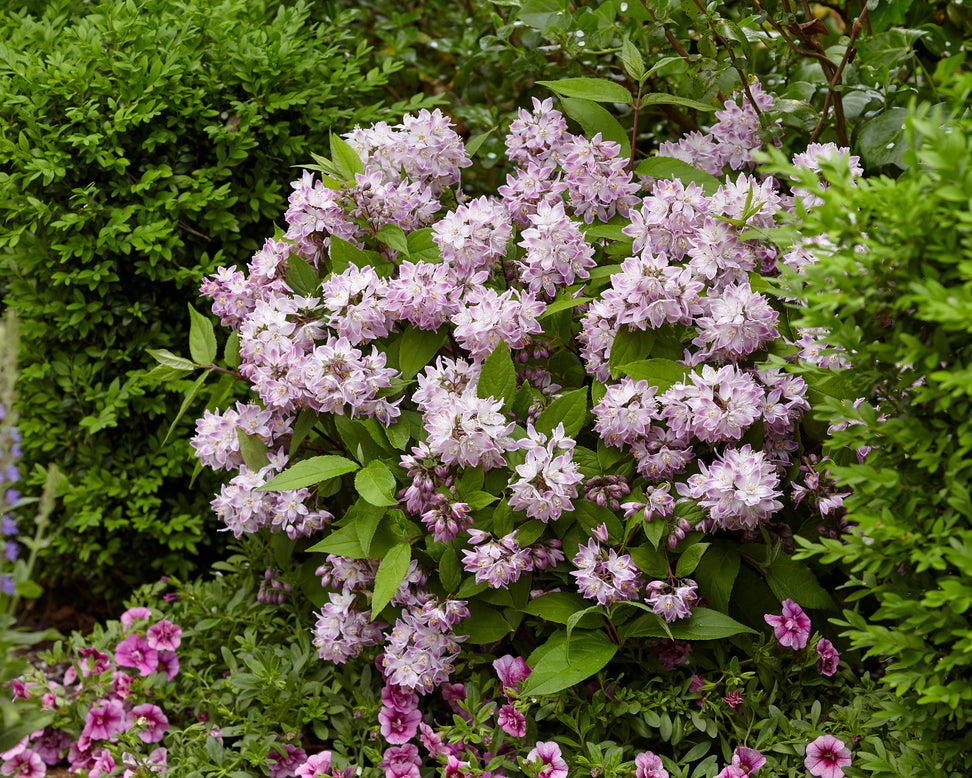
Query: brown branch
849	53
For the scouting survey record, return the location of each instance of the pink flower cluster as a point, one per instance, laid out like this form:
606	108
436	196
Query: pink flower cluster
149	649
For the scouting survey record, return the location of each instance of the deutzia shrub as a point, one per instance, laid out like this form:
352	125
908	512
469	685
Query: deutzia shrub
452	397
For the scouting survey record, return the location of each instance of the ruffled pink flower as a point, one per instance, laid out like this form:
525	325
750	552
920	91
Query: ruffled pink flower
105	720
401	761
132	615
315	766
792	629
169	664
153	719
512	721
511	670
134	651
749	760
25	764
548	754
648	765
397	726
164	636
827	756
829	659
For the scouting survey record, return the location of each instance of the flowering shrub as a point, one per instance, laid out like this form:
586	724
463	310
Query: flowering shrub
558	414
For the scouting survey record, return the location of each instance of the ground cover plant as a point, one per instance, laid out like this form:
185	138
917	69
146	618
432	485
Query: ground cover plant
553	478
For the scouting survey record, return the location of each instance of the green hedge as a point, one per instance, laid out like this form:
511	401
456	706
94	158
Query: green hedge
145	144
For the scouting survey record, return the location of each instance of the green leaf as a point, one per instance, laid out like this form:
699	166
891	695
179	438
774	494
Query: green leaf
661	98
167	358
418	347
716	573
477	500
498	376
590	515
421	247
376	483
881	139
650	561
703	624
391	573
309	472
484	625
671	168
341	542
305	422
345	158
231	351
655	531
476	141
393	236
543	15
187	400
663	373
594	119
556	606
552	673
794	580
301	277
599	90
629	346
563	304
689	559
343	255
570	408
202	338
632	60
253	450
450	569
29	590
367	517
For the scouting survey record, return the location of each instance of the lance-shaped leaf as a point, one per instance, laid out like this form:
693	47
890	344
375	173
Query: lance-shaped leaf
167	358
253	450
309	472
570	408
600	90
391	573
202	339
590	651
376	483
498	376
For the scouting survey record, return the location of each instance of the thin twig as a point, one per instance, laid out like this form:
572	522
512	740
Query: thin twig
831	90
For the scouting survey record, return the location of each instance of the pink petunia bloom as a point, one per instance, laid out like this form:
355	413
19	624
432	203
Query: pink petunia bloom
829	659
134	651
733	700
792	629
285	764
164	636
24	764
511	670
398	726
454	768
548	754
169	664
512	721
135	614
649	765
826	757
103	764
749	760
315	766
105	720
401	761
153	719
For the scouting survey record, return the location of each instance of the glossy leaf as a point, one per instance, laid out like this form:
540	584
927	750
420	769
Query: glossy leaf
498	376
589	652
309	472
376	483
391	572
599	90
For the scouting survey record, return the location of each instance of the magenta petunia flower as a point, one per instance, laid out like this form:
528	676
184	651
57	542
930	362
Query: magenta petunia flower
512	721
316	765
749	760
105	720
511	670
398	726
548	754
792	629
153	719
24	764
132	615
829	659
827	756
134	651
164	636
649	765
